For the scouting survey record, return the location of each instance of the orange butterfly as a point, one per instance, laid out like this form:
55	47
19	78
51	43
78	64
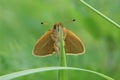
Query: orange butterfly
49	42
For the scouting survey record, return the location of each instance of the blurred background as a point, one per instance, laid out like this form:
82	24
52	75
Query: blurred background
20	28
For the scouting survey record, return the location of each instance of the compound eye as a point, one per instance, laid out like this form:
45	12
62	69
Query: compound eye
61	24
54	26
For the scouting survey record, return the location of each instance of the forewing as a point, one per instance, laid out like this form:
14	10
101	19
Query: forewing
44	45
73	44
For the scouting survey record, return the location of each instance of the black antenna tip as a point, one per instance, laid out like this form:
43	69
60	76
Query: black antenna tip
73	20
42	23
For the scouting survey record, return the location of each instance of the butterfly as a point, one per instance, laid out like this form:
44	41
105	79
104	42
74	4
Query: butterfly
49	42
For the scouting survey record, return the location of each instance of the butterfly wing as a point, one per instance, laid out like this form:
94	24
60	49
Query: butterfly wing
44	45
73	44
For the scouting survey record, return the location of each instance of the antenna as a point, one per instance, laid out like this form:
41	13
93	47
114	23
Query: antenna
71	21
67	23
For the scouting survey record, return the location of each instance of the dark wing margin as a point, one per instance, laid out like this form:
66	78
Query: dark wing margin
73	45
44	45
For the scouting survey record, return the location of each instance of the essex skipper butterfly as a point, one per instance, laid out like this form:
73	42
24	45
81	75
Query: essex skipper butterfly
49	42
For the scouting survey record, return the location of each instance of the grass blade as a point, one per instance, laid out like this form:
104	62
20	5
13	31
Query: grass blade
31	71
100	14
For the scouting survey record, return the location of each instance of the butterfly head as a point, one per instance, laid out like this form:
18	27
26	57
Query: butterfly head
57	27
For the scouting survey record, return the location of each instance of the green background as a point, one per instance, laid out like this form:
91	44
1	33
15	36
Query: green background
20	28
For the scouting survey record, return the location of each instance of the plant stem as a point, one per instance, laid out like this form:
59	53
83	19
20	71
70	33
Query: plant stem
62	73
100	14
